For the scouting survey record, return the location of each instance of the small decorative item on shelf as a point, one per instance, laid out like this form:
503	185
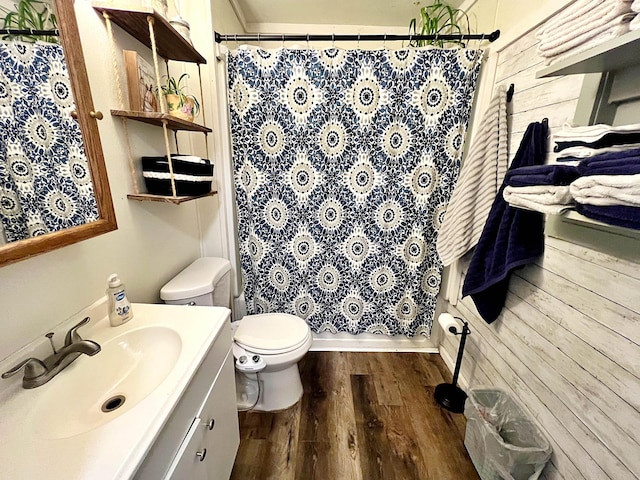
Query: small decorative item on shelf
179	103
193	175
141	83
182	27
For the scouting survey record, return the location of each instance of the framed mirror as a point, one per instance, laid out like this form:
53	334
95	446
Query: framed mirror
87	154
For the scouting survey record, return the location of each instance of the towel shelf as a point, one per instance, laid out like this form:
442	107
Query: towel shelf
613	55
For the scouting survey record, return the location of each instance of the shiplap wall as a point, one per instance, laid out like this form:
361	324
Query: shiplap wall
567	344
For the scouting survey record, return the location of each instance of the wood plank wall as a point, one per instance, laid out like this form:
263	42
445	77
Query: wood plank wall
567	344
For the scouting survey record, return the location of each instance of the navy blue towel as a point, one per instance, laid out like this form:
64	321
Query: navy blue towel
541	175
607	140
511	238
619	215
622	166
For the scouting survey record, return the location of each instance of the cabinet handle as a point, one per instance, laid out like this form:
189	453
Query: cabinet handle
201	455
97	115
211	423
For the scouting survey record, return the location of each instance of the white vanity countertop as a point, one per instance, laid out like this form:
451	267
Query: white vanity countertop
115	449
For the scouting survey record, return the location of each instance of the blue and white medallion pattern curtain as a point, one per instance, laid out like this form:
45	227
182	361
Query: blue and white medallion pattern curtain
344	161
45	182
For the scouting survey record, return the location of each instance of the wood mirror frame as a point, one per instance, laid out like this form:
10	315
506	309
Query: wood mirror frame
23	249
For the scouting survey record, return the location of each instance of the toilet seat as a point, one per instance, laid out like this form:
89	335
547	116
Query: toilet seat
272	333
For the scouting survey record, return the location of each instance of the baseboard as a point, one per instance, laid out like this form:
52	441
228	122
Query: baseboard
345	342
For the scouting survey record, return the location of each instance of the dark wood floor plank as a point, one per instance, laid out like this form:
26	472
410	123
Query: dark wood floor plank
283	447
363	416
375	456
250	459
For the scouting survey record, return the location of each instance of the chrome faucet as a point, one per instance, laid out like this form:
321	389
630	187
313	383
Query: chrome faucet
38	372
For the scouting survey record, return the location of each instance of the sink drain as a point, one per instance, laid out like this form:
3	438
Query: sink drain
113	403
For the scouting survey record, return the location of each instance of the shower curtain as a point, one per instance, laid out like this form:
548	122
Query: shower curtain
344	161
45	182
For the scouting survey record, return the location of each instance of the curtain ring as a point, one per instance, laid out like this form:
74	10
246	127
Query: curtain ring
333	40
235	39
308	46
482	38
358	40
384	42
31	32
283	40
259	41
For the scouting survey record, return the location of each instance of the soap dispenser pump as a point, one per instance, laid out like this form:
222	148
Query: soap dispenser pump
119	307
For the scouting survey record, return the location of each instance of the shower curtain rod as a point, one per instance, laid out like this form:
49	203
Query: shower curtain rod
30	32
274	37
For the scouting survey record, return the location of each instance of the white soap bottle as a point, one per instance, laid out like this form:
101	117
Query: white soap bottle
119	307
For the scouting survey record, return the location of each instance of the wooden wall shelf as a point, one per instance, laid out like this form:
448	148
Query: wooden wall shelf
171	45
158	119
147	197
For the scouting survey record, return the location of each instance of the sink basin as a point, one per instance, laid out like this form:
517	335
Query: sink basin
94	390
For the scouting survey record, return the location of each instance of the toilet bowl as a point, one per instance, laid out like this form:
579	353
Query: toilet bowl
267	347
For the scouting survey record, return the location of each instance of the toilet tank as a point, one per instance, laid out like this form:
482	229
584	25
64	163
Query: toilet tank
207	281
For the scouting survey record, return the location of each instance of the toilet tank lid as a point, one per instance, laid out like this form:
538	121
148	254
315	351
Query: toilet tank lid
199	278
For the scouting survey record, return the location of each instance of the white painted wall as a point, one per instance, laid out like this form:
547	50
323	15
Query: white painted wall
152	243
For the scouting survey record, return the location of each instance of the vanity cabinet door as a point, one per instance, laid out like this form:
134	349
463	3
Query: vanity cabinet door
190	461
220	424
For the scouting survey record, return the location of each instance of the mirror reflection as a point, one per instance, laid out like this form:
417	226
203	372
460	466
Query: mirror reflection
45	181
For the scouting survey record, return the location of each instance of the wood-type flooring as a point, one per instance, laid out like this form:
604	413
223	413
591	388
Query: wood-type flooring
363	416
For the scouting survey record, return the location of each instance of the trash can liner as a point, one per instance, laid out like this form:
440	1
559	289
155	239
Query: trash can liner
502	441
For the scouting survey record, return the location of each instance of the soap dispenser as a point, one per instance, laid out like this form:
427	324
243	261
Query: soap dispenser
119	307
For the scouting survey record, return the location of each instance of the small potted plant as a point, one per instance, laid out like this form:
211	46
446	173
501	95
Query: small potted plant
29	15
179	103
439	19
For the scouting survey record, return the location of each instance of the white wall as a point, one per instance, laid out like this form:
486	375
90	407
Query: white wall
152	243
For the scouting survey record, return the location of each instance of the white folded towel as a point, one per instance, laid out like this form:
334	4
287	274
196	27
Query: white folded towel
576	10
607	190
549	199
584	27
591	133
605	36
587	152
586	37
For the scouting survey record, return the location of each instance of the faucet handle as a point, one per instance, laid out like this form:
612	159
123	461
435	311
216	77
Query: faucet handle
33	368
72	335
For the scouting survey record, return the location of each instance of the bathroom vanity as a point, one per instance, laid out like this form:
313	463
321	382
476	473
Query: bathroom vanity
157	402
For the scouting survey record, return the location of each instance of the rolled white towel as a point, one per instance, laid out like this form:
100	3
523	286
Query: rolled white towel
544	194
607	190
635	23
540	203
573	44
635	6
597	19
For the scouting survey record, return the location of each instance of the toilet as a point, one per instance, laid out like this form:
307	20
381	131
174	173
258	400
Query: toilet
267	347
